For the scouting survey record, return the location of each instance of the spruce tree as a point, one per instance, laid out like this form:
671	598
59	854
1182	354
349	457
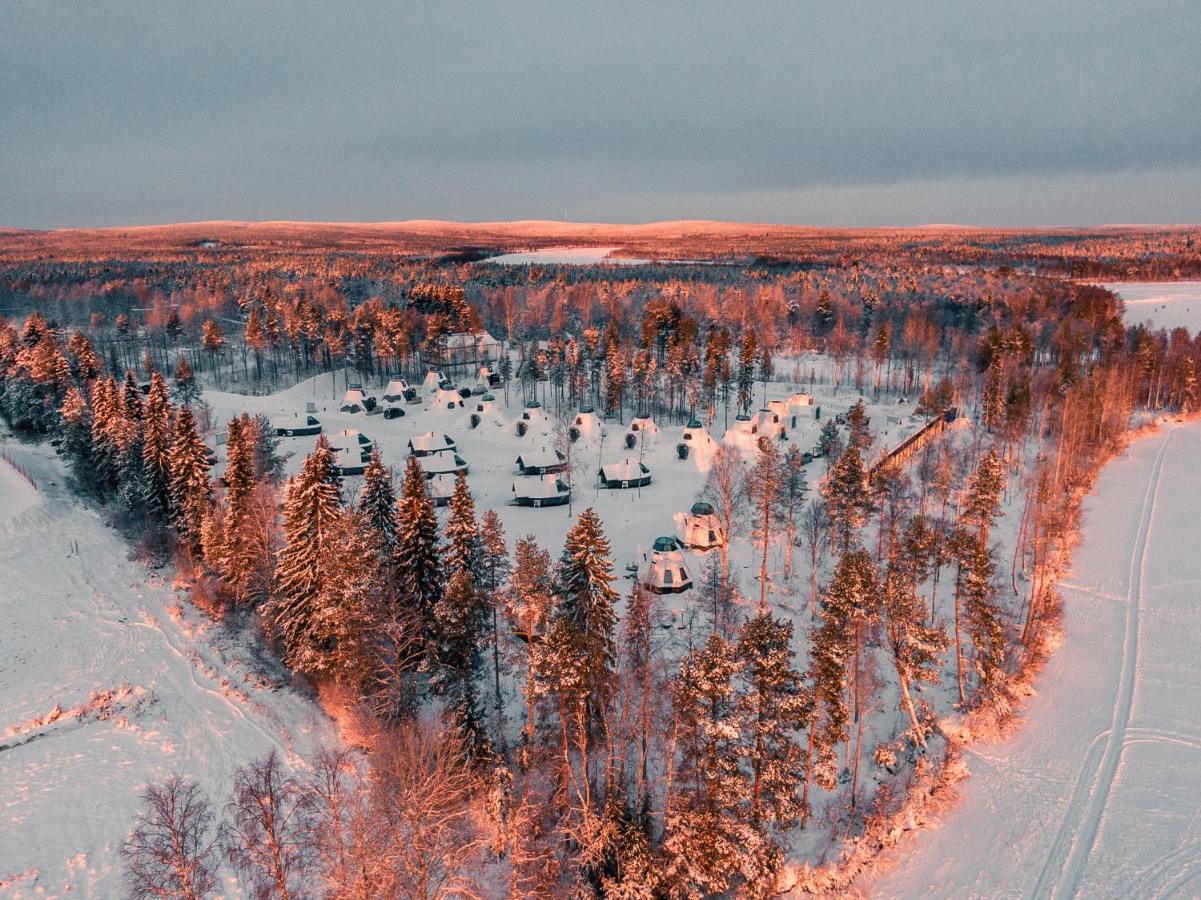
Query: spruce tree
77	438
377	506
828	654
187	391
312	522
458	623
106	419
189	487
586	598
982	500
156	445
859	426
463	546
494	572
984	618
418	556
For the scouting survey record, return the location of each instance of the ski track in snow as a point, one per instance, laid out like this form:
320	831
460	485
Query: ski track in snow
1078	833
1099	793
107	681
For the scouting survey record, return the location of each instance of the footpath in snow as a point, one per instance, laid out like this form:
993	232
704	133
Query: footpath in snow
1099	793
106	682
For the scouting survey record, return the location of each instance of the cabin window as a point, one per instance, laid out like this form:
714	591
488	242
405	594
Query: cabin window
683	576
667	576
712	538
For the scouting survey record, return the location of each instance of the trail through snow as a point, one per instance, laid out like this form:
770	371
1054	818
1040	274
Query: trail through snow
107	682
1099	793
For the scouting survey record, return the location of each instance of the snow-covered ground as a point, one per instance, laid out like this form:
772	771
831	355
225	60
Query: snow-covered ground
107	682
565	256
1099	793
1165	304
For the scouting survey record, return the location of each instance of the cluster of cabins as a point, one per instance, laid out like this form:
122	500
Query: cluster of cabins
539	480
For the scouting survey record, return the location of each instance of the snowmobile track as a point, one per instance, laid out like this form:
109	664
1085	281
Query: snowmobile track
1060	875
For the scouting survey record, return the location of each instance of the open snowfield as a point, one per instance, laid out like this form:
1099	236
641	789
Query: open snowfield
1099	793
565	256
1165	304
106	682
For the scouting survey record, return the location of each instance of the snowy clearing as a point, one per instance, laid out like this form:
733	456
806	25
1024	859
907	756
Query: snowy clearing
1165	304
107	682
1099	792
565	256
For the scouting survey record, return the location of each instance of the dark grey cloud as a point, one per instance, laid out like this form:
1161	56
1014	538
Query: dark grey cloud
812	112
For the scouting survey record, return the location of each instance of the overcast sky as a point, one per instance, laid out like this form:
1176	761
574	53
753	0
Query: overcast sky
824	113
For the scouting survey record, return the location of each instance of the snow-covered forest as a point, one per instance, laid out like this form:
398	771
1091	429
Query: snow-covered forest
722	561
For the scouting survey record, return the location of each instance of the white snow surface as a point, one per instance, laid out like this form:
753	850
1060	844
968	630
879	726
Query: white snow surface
1165	304
1099	793
108	681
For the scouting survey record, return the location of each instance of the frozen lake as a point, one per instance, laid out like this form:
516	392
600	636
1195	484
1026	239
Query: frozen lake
569	256
1165	304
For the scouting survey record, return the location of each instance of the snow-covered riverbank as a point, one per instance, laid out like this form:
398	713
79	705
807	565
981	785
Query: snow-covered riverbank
1098	793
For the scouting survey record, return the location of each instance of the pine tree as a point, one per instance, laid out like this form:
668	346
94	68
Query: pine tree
764	491
189	483
529	603
847	498
418	556
854	596
983	617
829	442
916	648
770	712
709	843
793	490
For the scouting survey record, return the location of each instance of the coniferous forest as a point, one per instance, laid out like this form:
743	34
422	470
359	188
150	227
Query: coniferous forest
514	715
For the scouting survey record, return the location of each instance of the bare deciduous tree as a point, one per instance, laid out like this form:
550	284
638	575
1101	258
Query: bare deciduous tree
171	852
266	837
424	790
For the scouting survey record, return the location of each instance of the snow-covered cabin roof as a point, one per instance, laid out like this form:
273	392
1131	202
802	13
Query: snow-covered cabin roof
666	571
441	486
396	389
539	487
798	400
352	436
446	398
645	425
627	469
442	463
428	442
353	399
433	381
540	458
